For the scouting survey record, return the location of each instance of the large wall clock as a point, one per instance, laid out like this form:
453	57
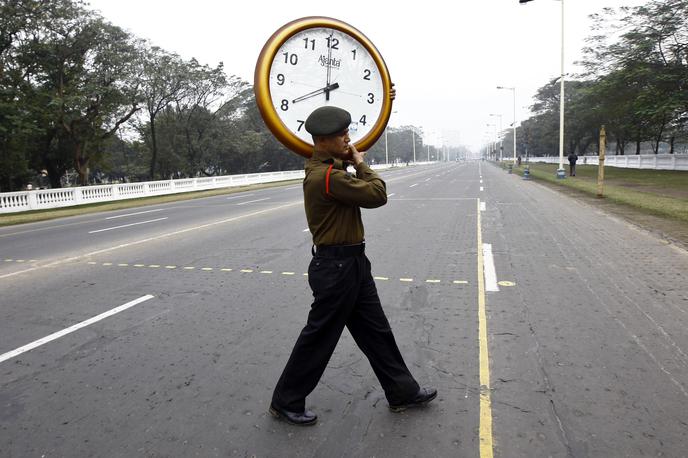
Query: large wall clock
317	61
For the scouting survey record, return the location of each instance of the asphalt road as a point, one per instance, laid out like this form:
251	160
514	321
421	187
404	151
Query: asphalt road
586	332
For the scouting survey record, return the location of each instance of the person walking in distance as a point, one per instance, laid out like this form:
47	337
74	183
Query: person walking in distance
340	276
572	164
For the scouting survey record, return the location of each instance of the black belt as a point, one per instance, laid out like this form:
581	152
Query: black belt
338	251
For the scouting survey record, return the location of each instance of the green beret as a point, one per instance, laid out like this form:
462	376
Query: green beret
326	121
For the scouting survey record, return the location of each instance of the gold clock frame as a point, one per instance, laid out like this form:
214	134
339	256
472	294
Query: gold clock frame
261	82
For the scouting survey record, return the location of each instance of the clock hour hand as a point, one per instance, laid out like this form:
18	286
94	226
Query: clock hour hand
325	90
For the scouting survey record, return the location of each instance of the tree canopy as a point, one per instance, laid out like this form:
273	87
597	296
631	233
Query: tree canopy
635	83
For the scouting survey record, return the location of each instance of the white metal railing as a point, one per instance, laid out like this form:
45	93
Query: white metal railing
13	202
635	161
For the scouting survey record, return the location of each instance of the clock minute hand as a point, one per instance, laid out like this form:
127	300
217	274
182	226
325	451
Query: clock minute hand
329	65
324	90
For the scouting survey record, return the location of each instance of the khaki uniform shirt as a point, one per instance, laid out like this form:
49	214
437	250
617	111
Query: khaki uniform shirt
333	204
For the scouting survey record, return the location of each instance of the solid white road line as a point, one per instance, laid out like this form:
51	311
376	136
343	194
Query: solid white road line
251	201
489	269
64	332
137	213
239	197
127	225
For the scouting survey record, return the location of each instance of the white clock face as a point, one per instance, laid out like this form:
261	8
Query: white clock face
323	66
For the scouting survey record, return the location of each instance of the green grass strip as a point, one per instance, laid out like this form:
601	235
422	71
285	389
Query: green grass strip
658	192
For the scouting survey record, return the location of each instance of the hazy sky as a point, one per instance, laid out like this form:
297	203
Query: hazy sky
445	57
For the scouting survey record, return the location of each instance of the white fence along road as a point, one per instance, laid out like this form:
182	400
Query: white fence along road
13	202
636	161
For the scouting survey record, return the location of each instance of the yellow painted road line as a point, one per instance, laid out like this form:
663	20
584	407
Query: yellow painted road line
485	430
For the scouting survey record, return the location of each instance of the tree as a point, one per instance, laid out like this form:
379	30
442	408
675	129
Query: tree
165	78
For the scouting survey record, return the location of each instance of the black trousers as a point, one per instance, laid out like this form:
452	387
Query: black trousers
344	295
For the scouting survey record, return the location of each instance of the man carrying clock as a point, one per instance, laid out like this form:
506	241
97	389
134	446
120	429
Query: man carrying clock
340	276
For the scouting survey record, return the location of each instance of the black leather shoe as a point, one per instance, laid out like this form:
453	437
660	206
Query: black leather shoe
421	398
305	418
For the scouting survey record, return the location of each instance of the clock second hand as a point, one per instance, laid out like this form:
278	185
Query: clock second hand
325	90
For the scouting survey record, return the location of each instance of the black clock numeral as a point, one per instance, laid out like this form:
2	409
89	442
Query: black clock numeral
332	43
311	41
285	105
366	74
371	98
353	51
280	79
363	120
301	123
290	58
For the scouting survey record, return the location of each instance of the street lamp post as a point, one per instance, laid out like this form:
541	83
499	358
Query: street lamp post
513	89
500	132
386	148
560	172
